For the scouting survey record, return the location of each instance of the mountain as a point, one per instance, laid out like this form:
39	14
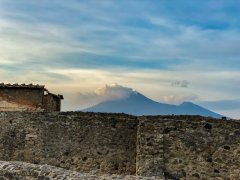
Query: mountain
138	104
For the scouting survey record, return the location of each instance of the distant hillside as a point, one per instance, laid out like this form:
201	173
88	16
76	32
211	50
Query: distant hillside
137	104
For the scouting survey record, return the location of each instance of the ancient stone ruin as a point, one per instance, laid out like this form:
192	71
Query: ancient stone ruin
76	145
15	97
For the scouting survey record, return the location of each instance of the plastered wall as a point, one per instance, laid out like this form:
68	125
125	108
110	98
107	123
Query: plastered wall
12	99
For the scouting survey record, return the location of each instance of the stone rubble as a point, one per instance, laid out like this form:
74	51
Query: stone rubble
26	171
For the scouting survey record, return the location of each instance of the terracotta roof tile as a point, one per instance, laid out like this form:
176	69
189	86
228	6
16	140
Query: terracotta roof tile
2	85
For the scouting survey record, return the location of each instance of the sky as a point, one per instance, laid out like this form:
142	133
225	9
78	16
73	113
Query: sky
170	50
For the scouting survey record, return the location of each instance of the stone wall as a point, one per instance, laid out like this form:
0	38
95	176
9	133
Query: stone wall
27	171
171	147
51	103
76	141
188	147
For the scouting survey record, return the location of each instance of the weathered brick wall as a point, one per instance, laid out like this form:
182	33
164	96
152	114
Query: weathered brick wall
171	147
77	141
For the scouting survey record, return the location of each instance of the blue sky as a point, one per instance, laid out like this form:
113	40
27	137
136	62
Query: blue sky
76	46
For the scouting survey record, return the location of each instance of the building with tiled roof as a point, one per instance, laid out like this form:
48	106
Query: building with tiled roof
28	97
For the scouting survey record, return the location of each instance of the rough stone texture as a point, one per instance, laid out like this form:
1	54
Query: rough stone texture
170	147
76	141
51	102
150	150
189	148
26	171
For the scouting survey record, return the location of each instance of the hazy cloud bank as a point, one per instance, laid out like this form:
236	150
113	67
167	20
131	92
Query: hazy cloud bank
106	93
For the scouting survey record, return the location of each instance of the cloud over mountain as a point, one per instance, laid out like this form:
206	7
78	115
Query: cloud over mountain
74	46
113	92
177	99
125	100
106	93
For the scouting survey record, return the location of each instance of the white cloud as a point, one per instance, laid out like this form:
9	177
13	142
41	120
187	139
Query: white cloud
106	93
177	99
37	40
3	61
162	22
109	35
113	92
209	59
210	85
155	84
